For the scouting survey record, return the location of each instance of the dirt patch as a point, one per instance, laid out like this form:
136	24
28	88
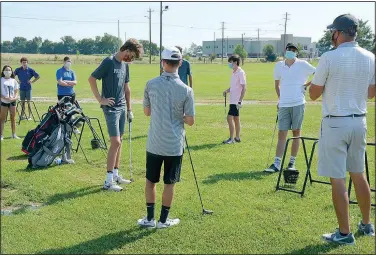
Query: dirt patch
11	210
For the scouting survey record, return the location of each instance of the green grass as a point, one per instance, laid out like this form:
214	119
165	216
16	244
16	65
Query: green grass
249	216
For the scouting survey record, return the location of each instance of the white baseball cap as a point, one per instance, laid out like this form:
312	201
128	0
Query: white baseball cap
171	53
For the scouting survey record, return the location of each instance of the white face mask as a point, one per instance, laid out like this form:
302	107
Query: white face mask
67	65
7	74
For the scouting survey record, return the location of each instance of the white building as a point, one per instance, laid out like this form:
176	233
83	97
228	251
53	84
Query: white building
254	46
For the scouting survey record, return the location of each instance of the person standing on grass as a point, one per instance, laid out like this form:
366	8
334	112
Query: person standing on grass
25	73
9	94
170	103
345	77
290	84
115	102
237	91
185	70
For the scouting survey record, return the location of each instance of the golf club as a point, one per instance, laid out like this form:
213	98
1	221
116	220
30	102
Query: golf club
130	150
204	211
225	106
275	126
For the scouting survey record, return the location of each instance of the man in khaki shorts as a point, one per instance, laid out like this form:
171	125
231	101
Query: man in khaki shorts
345	77
290	77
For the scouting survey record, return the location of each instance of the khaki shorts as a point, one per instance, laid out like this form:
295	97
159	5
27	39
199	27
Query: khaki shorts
342	146
291	117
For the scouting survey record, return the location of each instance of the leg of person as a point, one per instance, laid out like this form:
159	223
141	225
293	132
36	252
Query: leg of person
237	126
231	126
297	121
22	98
172	169
112	117
284	124
355	165
117	177
332	154
12	110
28	98
3	116
153	172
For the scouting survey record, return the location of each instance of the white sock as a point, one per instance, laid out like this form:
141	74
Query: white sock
110	177
292	159
277	162
116	172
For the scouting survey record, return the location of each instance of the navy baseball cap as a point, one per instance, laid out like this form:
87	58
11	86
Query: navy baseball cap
291	45
344	22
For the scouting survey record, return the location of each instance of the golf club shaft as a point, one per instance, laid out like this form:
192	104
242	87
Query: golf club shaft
275	126
225	106
194	174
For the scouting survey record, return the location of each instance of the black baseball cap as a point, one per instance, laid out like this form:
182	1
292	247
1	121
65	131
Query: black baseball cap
344	22
292	45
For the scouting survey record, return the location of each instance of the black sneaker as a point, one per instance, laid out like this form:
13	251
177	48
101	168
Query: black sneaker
237	140
272	169
291	166
229	141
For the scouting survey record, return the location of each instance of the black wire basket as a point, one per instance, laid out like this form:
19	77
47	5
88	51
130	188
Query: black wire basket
290	176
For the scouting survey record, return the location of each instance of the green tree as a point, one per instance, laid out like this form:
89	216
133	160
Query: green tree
268	51
239	49
154	47
365	38
109	44
86	46
69	44
33	46
19	44
47	47
6	47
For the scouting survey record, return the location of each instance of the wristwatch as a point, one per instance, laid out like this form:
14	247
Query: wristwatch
240	103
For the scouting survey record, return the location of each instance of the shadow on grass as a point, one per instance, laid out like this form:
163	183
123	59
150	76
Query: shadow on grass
104	244
136	137
19	157
30	169
73	194
204	146
316	249
257	175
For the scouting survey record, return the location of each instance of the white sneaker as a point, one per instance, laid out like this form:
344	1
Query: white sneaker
112	186
29	118
120	180
2	138
68	161
168	223
14	136
76	131
146	223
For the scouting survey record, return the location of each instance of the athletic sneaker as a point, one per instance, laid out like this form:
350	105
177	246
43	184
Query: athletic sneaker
68	161
146	223
112	186
76	131
29	118
337	238
120	180
14	136
237	140
272	169
2	138
367	229
229	141
168	223
291	166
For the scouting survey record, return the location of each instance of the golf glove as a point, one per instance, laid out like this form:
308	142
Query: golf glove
239	105
130	116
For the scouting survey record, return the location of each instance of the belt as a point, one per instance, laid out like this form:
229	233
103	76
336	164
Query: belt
351	115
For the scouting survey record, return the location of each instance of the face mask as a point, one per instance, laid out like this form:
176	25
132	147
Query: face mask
290	54
67	64
230	65
7	74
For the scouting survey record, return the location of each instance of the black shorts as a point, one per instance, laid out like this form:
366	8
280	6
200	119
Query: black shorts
72	97
233	110
172	168
8	104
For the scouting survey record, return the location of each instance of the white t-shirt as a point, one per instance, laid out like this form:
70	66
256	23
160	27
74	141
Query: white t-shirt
346	73
291	81
8	88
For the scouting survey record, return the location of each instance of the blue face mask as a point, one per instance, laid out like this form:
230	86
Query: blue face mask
230	65
290	54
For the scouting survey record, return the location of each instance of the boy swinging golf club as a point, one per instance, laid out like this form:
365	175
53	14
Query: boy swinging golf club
170	104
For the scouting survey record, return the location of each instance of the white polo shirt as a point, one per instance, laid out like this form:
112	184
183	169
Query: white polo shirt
8	88
346	73
291	81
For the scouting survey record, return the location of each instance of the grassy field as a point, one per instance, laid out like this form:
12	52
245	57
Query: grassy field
76	216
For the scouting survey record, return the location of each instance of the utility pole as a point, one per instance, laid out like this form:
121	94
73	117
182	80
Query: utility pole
150	11
125	36
223	34
258	44
284	36
214	45
242	41
227	47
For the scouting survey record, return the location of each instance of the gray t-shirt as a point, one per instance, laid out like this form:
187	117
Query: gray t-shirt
113	75
169	99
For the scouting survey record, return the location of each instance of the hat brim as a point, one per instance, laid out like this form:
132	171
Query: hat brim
331	26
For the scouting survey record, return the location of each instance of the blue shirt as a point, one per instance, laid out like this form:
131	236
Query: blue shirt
65	75
184	71
24	75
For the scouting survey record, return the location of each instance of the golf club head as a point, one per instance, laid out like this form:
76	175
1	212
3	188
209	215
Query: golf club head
132	180
205	211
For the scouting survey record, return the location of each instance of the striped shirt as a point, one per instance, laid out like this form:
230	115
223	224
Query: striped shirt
346	73
170	100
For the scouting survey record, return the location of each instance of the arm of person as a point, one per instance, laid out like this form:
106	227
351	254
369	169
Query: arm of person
276	87
36	77
59	79
146	102
127	90
189	73
318	82
74	82
94	88
16	89
189	109
98	74
243	92
14	99
371	91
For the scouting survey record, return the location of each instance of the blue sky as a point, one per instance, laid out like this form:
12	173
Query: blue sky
186	22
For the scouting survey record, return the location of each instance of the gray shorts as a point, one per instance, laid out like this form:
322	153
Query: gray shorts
115	119
342	146
25	95
291	117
